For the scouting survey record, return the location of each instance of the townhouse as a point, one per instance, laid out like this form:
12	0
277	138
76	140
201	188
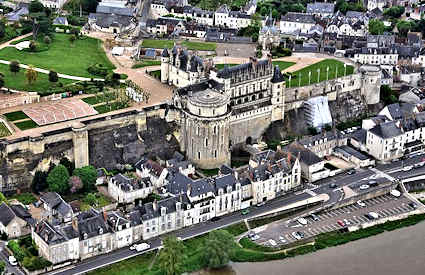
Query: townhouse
323	144
293	22
146	168
128	190
226	18
55	207
15	221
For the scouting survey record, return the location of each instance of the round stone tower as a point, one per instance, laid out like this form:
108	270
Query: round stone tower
165	63
206	121
371	83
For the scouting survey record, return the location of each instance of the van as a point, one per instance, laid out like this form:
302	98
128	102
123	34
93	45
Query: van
302	221
373	215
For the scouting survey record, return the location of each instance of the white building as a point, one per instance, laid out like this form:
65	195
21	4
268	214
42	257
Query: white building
146	168
293	22
128	190
226	18
321	9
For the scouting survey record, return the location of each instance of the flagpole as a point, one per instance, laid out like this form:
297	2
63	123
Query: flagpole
290	77
318	75
299	80
336	72
345	69
327	73
309	77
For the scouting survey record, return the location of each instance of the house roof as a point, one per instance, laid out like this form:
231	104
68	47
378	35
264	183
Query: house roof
228	72
55	234
306	156
55	201
277	75
298	17
110	20
110	10
92	223
222	182
387	130
6	214
200	187
320	7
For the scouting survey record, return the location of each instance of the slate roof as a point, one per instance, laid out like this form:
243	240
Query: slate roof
201	86
223	9
110	20
277	75
55	201
320	7
329	135
16	15
22	213
387	130
6	214
225	169
149	211
227	72
178	183
222	182
114	10
200	187
127	185
359	135
400	110
55	234
306	156
298	17
90	223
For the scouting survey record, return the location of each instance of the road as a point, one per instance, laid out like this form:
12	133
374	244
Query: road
4	255
320	187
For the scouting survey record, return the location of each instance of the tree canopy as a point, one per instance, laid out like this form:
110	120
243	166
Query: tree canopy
88	176
39	181
394	11
217	248
35	6
171	256
376	26
57	180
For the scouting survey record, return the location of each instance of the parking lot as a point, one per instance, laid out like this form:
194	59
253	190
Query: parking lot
385	206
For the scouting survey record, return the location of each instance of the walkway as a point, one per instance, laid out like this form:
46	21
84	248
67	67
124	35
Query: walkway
7	43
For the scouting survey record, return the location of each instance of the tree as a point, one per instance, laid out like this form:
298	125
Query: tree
35	6
217	248
57	180
75	183
53	76
1	81
47	40
38	183
2	198
33	46
88	176
388	96
376	26
14	67
403	27
171	256
70	166
394	11
91	199
72	39
2	266
31	75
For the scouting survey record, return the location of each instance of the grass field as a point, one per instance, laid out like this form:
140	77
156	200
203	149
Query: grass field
19	81
62	56
190	45
14	116
104	108
146	63
25	125
282	65
301	77
4	132
99	98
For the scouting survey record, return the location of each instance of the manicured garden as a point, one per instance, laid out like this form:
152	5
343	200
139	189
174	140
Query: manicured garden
96	200
62	56
14	116
27	254
146	63
19	82
99	98
4	132
190	45
105	108
25	125
336	69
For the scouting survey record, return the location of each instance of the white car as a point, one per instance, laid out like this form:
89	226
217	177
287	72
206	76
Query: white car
361	204
364	186
272	242
12	261
133	247
302	221
296	235
407	168
142	246
282	239
395	193
347	222
256	237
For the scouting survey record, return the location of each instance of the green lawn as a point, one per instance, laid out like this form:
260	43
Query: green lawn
146	63
25	198
19	82
301	77
282	65
99	98
14	116
25	125
104	108
62	56
101	201
4	132
190	45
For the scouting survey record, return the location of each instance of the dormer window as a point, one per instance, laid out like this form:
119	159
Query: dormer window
100	231
85	236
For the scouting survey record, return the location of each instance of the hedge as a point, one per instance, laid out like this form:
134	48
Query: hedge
35	263
247	243
16	249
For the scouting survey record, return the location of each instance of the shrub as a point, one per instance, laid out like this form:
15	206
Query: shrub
97	69
35	263
17	251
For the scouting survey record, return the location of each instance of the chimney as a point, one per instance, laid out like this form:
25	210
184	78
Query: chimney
279	148
75	224
189	189
105	216
289	158
155	205
269	57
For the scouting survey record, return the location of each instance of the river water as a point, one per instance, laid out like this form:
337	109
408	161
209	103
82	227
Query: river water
400	252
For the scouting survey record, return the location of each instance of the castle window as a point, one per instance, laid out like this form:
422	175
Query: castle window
206	142
199	155
199	110
215	130
215	153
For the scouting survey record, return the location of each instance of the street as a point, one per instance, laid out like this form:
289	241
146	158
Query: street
4	255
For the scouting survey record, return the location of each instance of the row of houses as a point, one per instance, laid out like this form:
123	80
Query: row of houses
183	200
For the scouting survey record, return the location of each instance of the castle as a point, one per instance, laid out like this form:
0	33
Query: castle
220	109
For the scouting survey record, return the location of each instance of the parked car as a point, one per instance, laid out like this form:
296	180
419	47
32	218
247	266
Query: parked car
364	186
296	235
419	164
142	246
256	237
373	183
272	242
395	193
260	204
301	234
347	222
12	261
215	219
372	215
314	217
282	239
333	185
413	205
302	221
407	168
245	212
341	223
251	235
133	247
351	171
361	204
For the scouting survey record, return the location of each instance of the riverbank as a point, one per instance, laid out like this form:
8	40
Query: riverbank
391	253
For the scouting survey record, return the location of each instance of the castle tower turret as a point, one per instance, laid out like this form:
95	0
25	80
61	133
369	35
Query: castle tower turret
278	98
165	63
207	127
371	83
